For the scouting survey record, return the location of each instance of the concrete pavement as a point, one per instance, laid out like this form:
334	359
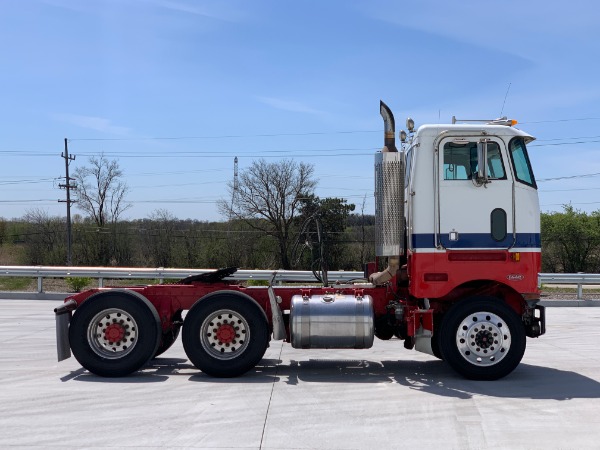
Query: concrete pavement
385	397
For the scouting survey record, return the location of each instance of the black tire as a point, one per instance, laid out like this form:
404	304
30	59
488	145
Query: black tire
225	335
114	334
482	338
169	337
167	340
435	340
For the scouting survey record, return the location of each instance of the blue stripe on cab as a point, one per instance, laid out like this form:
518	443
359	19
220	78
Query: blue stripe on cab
477	240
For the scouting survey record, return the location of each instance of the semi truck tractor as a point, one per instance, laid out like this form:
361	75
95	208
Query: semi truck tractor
457	257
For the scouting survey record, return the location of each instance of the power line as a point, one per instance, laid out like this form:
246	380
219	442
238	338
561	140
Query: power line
568	190
43	180
569	177
561	120
562	143
567	138
226	136
570	203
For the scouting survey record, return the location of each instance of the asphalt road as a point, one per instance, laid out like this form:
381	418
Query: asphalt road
384	398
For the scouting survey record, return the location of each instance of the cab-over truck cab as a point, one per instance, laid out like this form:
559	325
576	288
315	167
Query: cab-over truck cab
457	218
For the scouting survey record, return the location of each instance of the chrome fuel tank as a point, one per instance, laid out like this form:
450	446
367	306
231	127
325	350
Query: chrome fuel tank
331	321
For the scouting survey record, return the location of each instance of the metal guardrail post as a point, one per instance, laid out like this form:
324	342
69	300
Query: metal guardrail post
580	291
40	284
100	282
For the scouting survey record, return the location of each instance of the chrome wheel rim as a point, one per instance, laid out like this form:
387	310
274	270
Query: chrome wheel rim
225	334
112	333
483	338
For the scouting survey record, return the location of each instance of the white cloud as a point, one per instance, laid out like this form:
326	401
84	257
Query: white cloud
290	105
228	14
92	123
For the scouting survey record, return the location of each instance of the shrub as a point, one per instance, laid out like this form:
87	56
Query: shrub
76	284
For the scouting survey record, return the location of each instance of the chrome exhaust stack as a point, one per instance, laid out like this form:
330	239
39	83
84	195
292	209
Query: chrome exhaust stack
389	128
389	200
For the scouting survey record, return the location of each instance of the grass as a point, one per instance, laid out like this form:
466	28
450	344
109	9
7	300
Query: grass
569	290
15	283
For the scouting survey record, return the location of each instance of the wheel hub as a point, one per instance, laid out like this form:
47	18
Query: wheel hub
112	333
225	334
483	338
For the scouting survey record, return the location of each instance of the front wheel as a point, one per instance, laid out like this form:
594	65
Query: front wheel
114	334
482	339
225	336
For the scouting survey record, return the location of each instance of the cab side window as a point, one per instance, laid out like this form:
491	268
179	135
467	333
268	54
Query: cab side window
460	161
520	160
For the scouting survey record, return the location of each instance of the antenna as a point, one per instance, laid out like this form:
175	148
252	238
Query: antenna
504	103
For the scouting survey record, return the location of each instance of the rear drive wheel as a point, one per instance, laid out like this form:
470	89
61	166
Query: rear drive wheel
225	336
482	338
114	334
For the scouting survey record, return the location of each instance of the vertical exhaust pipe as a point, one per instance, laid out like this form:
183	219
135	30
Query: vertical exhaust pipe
389	128
389	200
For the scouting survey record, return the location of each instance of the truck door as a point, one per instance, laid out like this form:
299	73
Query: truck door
473	211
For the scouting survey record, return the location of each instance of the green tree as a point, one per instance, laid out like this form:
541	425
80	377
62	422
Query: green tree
321	225
570	241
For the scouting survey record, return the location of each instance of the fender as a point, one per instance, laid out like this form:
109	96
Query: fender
64	312
235	294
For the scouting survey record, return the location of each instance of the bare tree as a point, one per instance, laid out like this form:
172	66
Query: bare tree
101	190
43	237
268	198
160	237
2	230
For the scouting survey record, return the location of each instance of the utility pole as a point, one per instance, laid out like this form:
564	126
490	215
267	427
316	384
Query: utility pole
235	188
235	176
68	186
230	244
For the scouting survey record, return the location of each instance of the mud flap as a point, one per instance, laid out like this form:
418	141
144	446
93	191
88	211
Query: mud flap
63	349
63	319
276	317
420	327
423	341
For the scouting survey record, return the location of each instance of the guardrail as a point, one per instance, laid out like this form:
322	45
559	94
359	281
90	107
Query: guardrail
279	276
103	273
579	279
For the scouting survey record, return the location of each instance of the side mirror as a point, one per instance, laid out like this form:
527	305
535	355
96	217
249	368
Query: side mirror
482	172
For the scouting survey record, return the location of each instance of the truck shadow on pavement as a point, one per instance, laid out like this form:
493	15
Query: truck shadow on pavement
432	377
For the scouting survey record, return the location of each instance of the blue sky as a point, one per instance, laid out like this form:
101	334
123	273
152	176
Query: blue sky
175	89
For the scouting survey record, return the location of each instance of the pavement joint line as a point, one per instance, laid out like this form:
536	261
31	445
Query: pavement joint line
262	436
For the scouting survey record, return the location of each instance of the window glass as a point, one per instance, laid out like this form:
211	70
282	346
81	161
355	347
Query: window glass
460	161
520	160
